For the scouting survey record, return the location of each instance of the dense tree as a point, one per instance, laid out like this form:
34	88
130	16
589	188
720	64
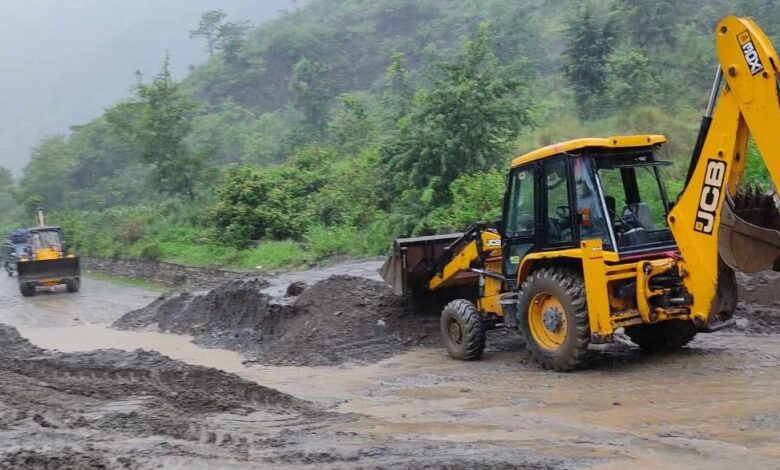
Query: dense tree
351	128
399	90
208	29
630	81
220	35
465	124
45	179
156	125
650	24
590	39
313	92
254	204
7	196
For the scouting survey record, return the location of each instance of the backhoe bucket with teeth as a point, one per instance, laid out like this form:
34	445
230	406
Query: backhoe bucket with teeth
749	236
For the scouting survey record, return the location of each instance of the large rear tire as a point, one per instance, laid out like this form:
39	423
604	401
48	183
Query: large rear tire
462	330
27	289
553	318
664	336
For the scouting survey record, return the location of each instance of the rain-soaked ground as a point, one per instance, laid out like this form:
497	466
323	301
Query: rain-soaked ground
712	405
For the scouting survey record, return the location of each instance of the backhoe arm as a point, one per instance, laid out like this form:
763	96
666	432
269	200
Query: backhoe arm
705	215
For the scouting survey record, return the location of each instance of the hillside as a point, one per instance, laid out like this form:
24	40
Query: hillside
342	124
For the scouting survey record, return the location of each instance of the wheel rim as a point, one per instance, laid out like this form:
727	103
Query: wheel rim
547	321
456	334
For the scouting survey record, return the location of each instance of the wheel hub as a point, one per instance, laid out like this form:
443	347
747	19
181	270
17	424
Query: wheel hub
455	333
552	319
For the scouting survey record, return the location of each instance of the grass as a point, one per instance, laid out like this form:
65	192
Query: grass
274	255
124	281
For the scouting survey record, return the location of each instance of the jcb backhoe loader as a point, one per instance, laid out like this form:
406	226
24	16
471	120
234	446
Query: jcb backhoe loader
45	260
590	242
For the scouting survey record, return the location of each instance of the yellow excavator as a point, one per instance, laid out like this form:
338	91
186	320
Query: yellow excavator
590	243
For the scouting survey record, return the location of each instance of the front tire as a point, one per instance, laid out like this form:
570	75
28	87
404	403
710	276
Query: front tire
553	318
462	330
27	289
73	285
664	336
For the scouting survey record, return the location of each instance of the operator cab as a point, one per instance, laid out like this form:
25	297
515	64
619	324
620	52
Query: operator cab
609	189
46	243
635	199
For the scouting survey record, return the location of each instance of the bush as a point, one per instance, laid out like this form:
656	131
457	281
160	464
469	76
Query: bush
327	242
274	255
476	197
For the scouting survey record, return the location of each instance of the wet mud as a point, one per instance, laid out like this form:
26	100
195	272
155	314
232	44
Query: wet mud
139	409
342	374
338	319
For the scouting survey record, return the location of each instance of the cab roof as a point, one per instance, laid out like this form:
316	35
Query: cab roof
622	141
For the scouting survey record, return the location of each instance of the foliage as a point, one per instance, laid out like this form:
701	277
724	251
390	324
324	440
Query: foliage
155	126
475	197
44	181
630	81
312	92
590	39
219	34
342	125
465	124
8	204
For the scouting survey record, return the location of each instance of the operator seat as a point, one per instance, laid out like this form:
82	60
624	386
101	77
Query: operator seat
642	213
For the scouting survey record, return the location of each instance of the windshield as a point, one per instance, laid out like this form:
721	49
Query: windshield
636	200
50	239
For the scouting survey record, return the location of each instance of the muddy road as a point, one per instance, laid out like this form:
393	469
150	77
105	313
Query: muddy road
99	302
75	402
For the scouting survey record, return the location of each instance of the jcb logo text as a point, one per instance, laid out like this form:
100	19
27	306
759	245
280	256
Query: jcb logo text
714	176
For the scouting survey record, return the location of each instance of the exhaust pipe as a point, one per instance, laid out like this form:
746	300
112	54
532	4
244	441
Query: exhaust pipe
41	218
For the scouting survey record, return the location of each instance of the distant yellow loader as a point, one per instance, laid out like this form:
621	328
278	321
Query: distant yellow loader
45	260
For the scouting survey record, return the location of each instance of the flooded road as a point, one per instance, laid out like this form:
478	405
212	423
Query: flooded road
98	302
713	405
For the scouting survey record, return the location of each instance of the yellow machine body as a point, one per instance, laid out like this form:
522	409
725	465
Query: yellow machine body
710	235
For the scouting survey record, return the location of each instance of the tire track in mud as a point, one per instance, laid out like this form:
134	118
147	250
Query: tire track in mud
139	409
121	395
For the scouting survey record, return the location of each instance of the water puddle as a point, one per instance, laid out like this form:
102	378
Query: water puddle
333	383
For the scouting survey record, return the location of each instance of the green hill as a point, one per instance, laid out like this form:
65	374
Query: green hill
345	123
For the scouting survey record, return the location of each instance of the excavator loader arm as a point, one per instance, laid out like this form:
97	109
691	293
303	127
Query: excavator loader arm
716	218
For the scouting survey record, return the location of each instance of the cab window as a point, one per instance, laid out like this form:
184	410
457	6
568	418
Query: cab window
558	227
520	215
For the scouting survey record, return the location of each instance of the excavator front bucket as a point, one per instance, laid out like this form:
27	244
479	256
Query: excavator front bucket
749	236
413	261
49	270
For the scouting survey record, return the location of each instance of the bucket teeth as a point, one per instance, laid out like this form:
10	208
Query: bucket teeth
749	237
754	205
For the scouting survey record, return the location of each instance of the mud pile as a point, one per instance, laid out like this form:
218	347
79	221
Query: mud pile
141	405
113	409
757	319
762	288
758	311
340	319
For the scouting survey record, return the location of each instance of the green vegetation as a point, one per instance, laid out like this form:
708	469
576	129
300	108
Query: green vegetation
342	125
128	281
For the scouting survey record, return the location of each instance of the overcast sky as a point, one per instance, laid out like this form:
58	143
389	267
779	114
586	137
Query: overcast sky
62	62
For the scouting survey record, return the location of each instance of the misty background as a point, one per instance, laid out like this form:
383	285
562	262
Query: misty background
63	62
